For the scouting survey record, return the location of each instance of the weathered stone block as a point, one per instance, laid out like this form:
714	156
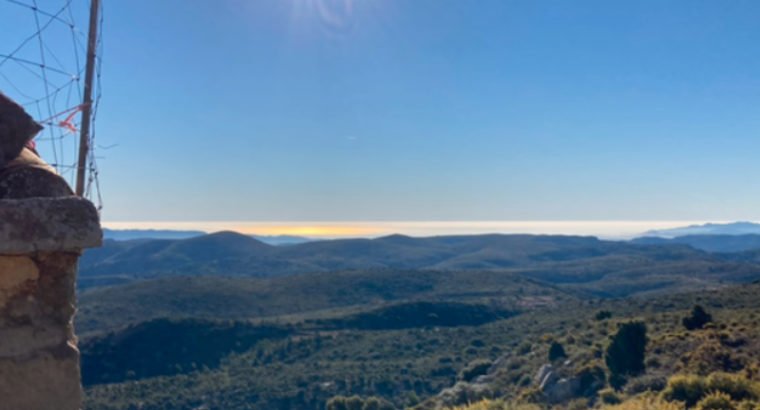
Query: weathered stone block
43	230
16	272
32	182
46	381
22	341
48	224
40	243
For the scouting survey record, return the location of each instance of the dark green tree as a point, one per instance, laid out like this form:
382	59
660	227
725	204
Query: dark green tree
556	351
698	318
603	315
626	352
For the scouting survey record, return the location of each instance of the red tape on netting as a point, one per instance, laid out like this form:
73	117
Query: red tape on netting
67	123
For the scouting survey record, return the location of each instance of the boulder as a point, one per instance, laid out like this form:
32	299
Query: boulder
544	371
561	390
464	393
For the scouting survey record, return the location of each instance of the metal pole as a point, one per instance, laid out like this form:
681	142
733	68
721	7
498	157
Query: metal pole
84	135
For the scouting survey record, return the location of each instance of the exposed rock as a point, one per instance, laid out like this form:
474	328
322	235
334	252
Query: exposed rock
16	272
562	383
464	393
543	373
48	224
40	242
561	390
22	341
46	381
27	181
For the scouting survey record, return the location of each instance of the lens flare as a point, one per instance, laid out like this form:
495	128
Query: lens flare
329	15
335	14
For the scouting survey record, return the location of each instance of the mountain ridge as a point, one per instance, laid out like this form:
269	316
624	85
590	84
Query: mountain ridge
145	234
710	228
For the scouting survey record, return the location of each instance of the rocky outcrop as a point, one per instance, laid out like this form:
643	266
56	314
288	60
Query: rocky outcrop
463	393
560	383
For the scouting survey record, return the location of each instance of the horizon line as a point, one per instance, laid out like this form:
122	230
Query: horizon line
370	229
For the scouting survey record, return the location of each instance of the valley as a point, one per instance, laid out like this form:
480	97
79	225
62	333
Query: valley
243	324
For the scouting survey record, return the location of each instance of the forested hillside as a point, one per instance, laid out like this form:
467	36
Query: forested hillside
436	364
424	323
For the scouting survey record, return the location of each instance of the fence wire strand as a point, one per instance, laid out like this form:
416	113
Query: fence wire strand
42	70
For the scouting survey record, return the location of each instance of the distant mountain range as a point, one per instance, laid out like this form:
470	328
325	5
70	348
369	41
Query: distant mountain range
710	243
734	228
604	268
134	234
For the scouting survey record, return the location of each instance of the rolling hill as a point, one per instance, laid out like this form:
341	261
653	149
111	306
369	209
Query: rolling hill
554	258
709	243
226	321
242	298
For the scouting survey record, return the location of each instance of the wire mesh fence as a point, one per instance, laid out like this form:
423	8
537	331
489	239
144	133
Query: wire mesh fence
42	62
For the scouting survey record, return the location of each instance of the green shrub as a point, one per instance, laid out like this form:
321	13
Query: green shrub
524	348
375	403
734	385
603	315
609	396
716	401
711	356
692	389
556	351
345	403
645	402
748	405
685	388
591	379
646	383
625	354
474	369
697	319
578	404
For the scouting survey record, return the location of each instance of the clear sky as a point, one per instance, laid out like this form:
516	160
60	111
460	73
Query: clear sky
417	110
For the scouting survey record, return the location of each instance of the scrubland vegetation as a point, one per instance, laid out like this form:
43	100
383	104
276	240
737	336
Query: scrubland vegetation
574	323
313	361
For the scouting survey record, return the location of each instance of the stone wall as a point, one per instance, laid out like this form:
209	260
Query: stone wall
41	240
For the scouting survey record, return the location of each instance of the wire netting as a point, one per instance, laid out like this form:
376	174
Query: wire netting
42	63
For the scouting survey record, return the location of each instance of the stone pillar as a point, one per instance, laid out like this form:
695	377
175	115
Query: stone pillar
41	240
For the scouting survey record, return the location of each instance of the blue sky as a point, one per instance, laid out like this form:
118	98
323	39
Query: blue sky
319	110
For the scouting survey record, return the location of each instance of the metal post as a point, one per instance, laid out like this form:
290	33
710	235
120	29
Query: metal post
84	136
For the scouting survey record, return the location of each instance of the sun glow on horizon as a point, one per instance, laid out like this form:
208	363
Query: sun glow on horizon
370	229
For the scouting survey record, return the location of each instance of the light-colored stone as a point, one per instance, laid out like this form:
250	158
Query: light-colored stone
15	273
32	181
463	393
544	371
48	224
22	341
40	241
562	390
47	381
